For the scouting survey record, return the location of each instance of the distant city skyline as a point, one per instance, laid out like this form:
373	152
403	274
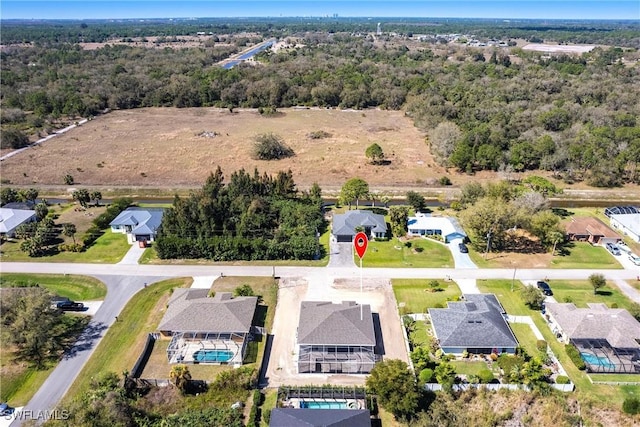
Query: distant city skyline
141	9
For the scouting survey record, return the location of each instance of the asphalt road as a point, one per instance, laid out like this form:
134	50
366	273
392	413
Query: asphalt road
123	281
119	290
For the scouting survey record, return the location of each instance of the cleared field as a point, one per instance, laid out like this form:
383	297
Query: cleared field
163	147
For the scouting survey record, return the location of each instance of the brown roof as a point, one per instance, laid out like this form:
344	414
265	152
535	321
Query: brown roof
590	227
616	325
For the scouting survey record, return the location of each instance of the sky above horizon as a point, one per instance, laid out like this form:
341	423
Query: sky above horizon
503	9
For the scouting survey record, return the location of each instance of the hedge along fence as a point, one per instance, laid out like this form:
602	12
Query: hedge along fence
144	356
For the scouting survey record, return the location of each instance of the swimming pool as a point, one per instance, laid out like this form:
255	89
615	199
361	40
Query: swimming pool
314	404
594	360
212	355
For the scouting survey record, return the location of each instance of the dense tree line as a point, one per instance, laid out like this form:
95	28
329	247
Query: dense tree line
623	33
251	217
484	109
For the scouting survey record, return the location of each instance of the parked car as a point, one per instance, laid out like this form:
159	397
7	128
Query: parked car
544	287
70	306
624	248
613	249
634	258
5	409
463	248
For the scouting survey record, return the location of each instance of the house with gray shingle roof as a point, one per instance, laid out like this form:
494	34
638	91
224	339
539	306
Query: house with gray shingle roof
294	417
139	224
344	225
476	324
608	338
11	219
207	329
336	338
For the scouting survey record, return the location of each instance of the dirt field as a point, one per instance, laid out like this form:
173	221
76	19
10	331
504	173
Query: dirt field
159	147
282	367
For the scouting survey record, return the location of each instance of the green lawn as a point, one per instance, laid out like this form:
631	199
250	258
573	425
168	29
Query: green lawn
526	338
622	378
585	390
77	288
417	294
510	300
108	248
19	385
584	255
420	336
469	367
580	292
270	401
125	339
394	253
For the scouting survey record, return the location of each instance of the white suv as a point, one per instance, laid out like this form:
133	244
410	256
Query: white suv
634	258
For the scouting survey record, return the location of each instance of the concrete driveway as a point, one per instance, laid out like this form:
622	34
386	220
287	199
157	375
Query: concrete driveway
341	254
460	260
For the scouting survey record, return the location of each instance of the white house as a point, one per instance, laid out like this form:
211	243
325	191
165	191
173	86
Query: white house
139	224
628	224
427	225
10	219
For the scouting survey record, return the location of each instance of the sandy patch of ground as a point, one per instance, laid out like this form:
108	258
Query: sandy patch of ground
282	367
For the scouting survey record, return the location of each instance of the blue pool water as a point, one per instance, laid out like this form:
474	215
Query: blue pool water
312	404
212	355
594	360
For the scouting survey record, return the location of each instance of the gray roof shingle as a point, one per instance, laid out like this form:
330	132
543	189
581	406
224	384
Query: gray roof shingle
476	322
616	325
142	220
291	417
345	224
326	323
190	310
10	219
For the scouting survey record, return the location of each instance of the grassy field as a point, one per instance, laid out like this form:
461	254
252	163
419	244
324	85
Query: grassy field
580	292
584	255
417	294
510	300
19	380
621	378
395	254
526	339
174	149
77	288
108	248
469	367
124	341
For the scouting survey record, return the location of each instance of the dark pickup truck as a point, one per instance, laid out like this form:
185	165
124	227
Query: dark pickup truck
70	306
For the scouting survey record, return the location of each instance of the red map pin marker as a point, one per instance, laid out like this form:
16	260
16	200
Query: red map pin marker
360	243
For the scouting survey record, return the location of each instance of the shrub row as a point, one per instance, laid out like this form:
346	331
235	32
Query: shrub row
574	355
254	414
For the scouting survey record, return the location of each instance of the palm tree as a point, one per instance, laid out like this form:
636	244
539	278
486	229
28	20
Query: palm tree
181	376
69	230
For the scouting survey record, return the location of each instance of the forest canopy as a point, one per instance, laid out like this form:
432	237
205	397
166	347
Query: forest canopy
483	108
252	217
